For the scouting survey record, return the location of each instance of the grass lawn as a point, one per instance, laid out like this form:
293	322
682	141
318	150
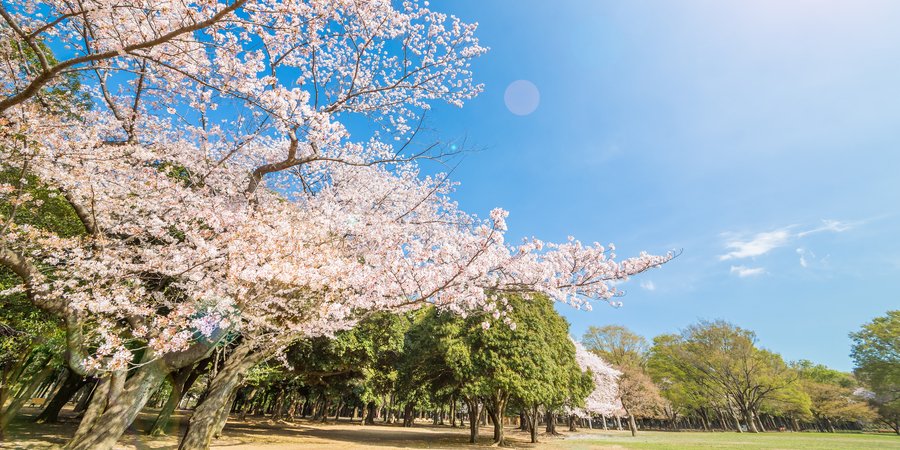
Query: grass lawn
764	441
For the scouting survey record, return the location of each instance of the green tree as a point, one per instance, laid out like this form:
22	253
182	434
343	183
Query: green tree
531	363
876	352
830	402
32	342
681	384
617	345
724	360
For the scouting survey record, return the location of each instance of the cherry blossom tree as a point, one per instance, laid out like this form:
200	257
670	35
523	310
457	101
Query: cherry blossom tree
604	399
223	197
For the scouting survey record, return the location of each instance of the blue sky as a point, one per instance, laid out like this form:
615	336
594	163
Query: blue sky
759	136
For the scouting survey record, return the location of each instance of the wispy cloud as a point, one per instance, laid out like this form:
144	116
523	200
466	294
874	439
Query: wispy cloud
802	259
763	242
648	285
833	225
746	272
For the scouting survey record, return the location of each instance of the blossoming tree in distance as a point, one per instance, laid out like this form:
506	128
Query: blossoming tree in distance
205	148
604	399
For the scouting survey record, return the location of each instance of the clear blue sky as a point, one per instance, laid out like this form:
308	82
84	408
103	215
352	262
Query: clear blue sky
759	136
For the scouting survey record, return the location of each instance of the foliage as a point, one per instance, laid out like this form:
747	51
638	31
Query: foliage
722	360
876	352
617	345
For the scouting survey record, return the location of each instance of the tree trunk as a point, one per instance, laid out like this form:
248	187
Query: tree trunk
473	419
86	395
74	382
452	412
551	423
533	423
251	399
370	413
759	423
179	379
748	418
631	424
112	411
279	405
49	390
605	425
409	414
224	413
295	403
737	422
828	424
498	410
202	424
22	397
10	377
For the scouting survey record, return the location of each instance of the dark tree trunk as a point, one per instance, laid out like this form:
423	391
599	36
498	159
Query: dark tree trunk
86	395
453	412
279	405
473	419
498	410
303	409
74	382
551	423
248	404
370	413
179	379
292	409
409	414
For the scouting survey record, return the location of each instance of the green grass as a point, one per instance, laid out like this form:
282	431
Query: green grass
650	440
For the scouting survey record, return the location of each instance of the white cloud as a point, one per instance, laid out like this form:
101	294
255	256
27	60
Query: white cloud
833	225
802	253
761	243
746	272
648	285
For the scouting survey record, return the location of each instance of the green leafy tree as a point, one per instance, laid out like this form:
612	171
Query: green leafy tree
724	360
531	363
830	403
876	352
617	345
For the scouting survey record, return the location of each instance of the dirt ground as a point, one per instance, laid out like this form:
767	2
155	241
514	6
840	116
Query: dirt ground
259	433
